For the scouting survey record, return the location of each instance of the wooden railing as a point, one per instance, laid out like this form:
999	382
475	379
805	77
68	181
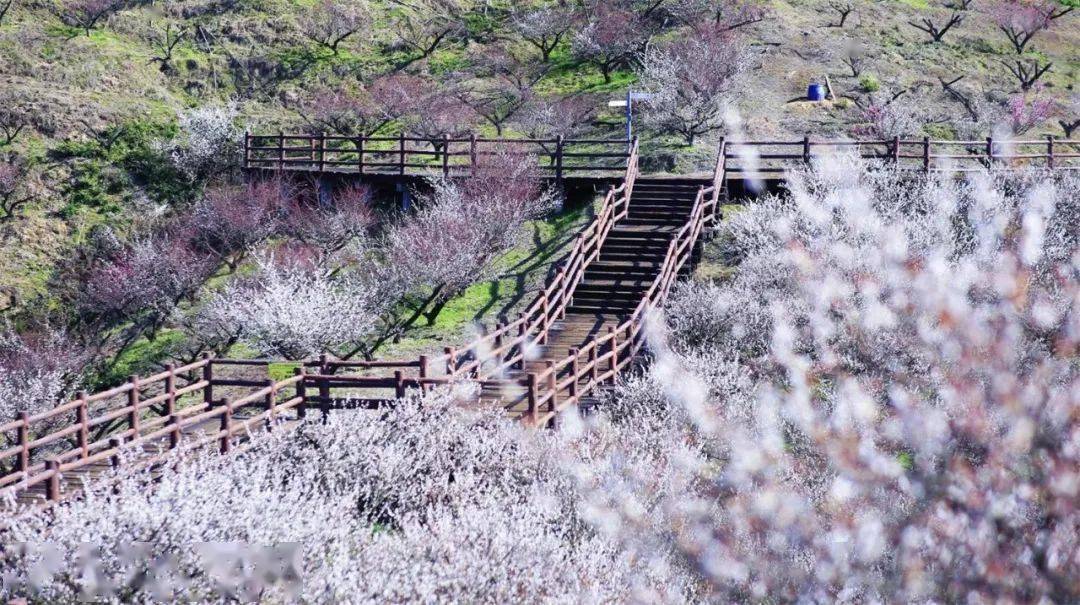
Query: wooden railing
922	154
175	409
410	155
562	383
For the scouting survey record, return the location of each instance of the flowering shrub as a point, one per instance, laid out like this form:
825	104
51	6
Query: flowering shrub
427	502
882	403
209	143
37	370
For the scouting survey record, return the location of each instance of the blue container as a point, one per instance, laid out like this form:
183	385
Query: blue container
815	92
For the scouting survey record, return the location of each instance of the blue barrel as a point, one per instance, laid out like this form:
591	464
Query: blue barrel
815	92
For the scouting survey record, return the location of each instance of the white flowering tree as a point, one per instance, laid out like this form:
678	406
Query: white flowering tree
291	309
209	142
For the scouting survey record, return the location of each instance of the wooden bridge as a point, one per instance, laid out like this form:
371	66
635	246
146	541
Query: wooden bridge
580	333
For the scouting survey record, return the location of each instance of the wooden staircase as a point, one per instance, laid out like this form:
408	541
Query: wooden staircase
613	285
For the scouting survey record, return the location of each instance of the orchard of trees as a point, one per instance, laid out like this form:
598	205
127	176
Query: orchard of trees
876	403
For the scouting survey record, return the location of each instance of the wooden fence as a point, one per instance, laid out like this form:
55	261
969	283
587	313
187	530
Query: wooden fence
213	401
925	154
409	155
216	400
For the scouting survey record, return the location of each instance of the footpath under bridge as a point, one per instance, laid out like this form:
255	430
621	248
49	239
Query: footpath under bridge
580	333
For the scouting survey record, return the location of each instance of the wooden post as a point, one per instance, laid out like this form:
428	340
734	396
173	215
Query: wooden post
546	309
322	151
1050	151
559	158
247	149
614	362
499	327
926	154
281	150
806	149
423	366
574	352
472	153
399	384
226	426
446	155
521	339
531	394
896	150
552	385
401	149
989	152
312	146
301	392
174	435
360	154
115	444
52	486
324	385
23	462
170	406
451	363
84	424
208	377
270	403
594	370
133	403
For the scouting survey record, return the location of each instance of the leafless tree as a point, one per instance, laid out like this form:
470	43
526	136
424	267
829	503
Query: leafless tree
14	192
1027	73
959	5
420	27
12	122
965	101
843	10
165	43
500	84
86	14
937	32
854	56
726	14
330	22
4	8
544	27
1021	20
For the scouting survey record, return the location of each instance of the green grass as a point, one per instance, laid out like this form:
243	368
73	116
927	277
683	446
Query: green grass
143	356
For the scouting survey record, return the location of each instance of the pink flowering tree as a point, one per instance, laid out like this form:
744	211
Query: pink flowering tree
545	27
1029	110
230	220
611	37
1022	20
693	80
329	23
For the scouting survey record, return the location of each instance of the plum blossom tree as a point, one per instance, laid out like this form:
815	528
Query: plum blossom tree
693	79
38	369
500	84
329	23
292	309
544	27
885	117
1029	110
421	27
232	219
363	110
1022	20
462	226
611	37
330	228
568	116
909	398
209	142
